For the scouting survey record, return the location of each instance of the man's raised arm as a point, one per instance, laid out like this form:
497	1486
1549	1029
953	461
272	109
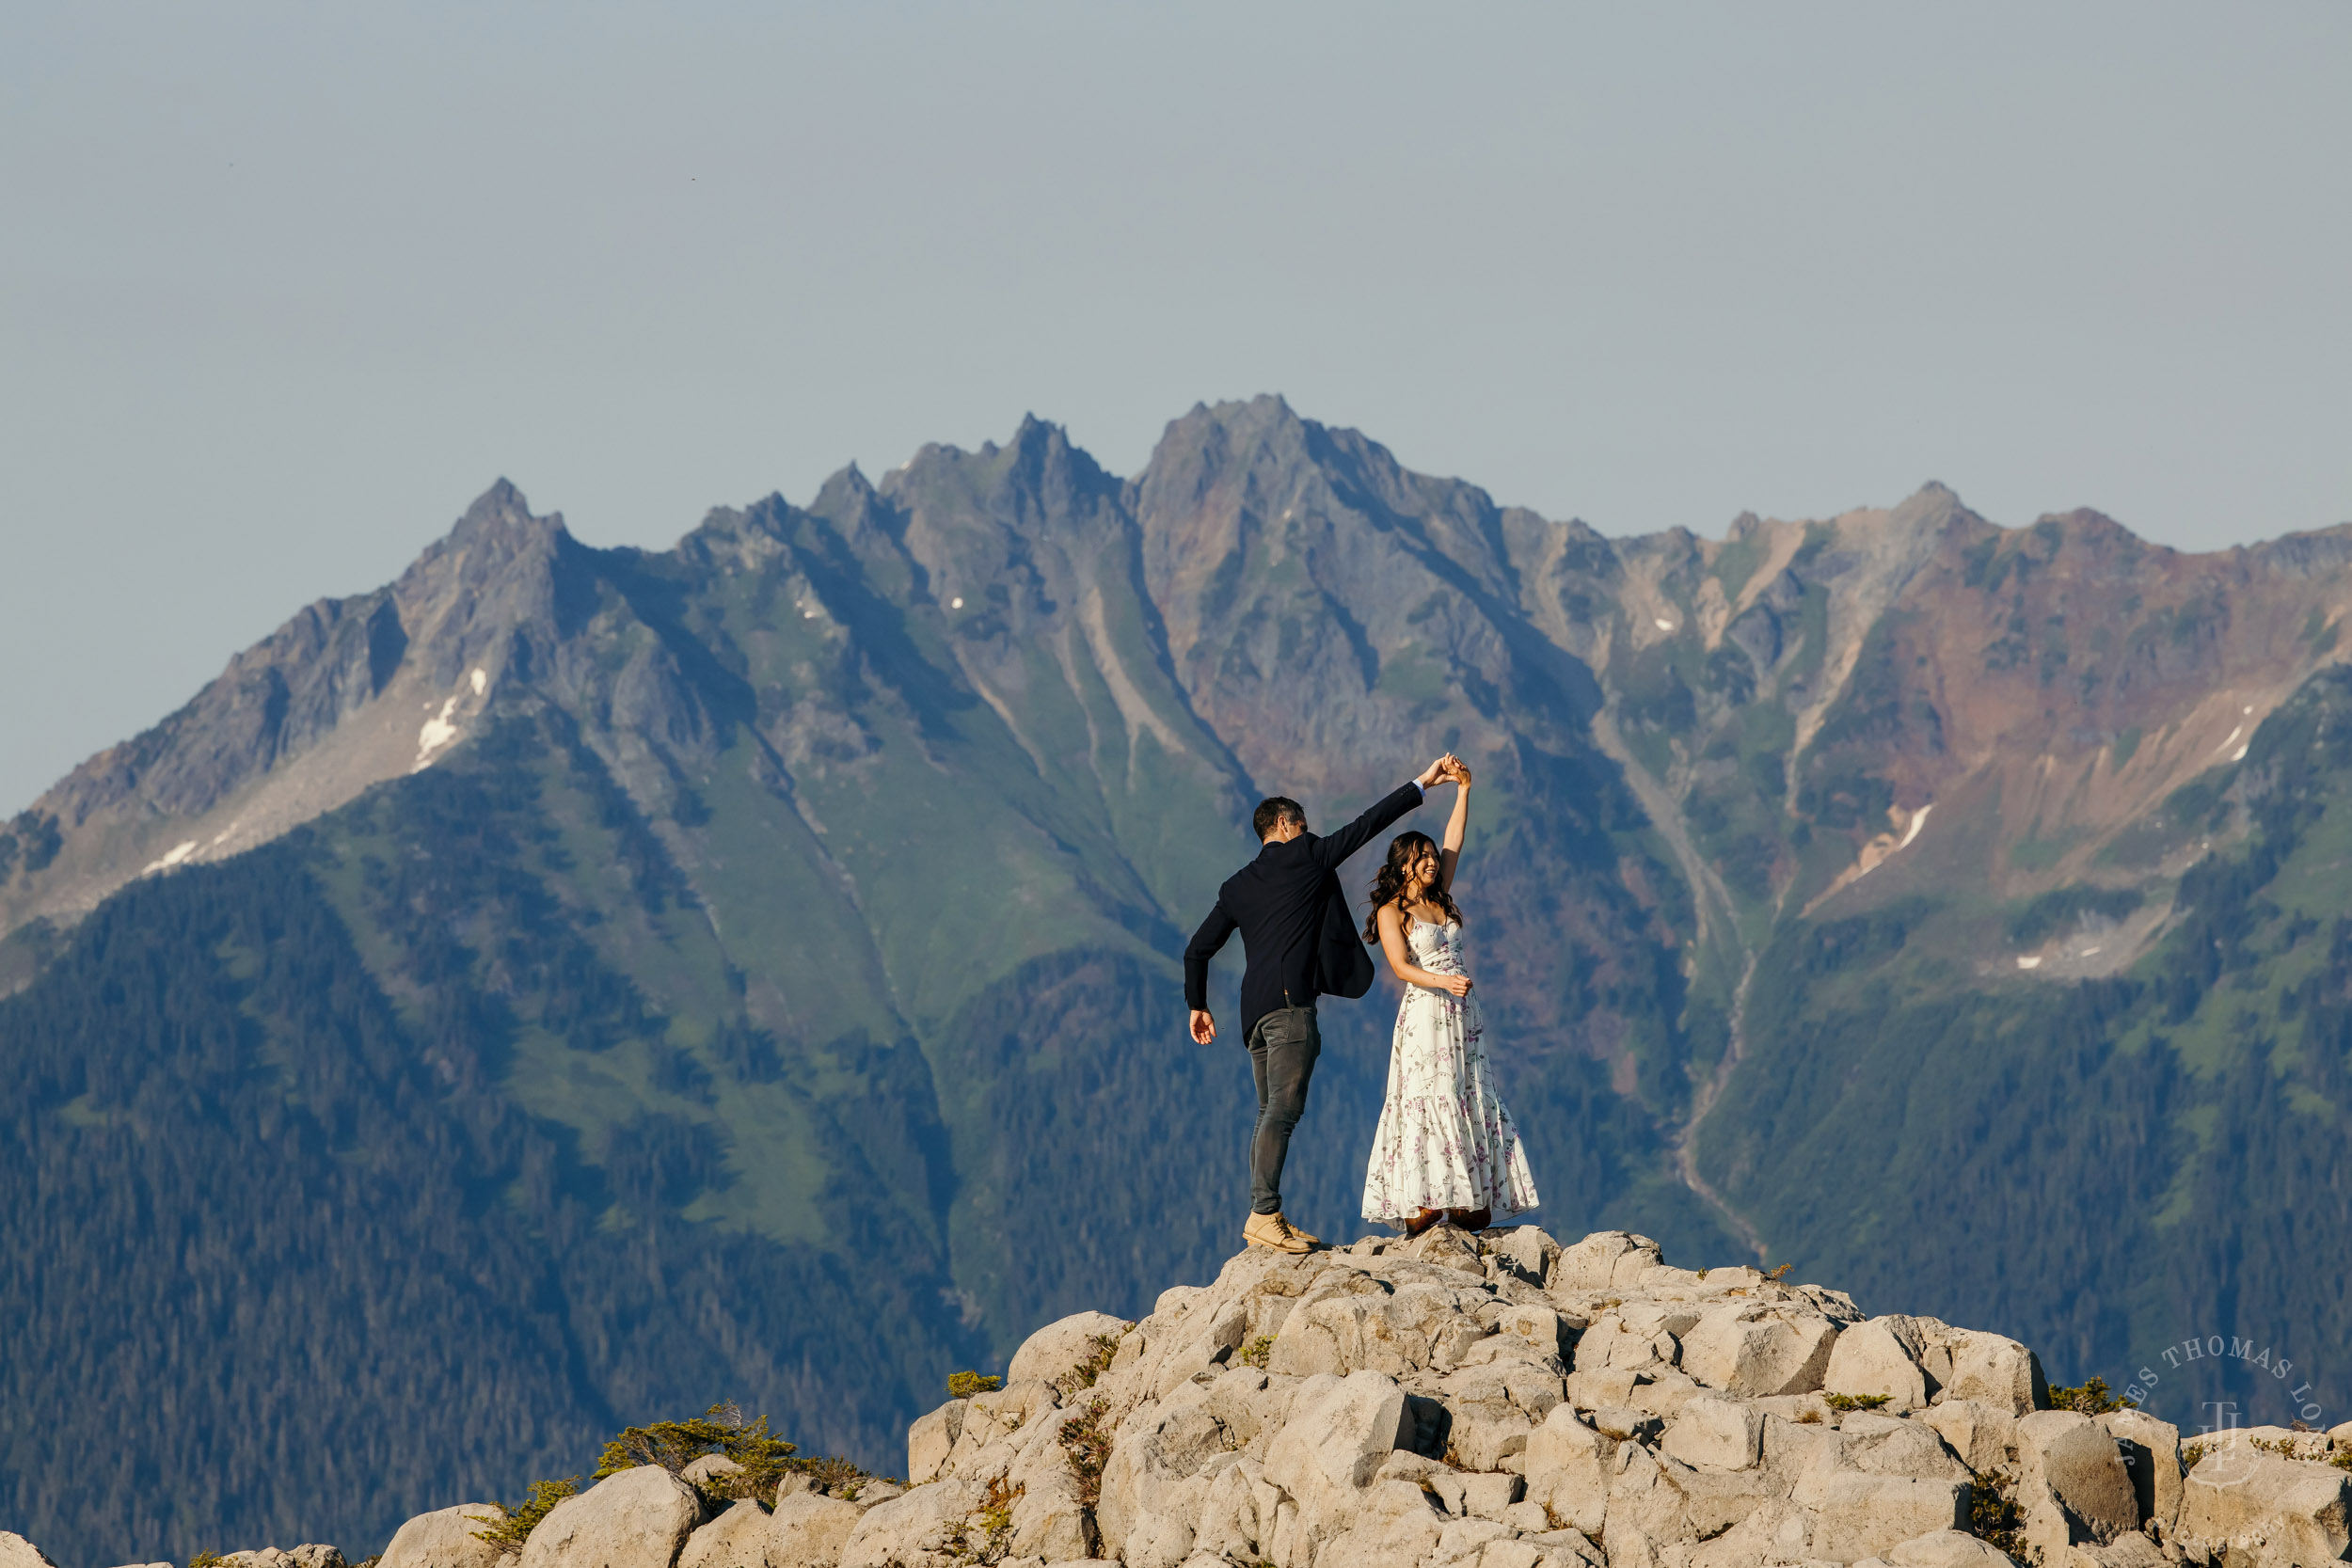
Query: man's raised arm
1336	847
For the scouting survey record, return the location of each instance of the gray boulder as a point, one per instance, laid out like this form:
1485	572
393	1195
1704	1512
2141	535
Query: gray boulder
1602	1260
736	1539
1153	1489
1568	1466
1887	1446
310	1554
1053	1351
1396	1525
1050	1519
1880	1357
1997	1371
710	1468
1717	1434
2072	1482
932	1439
640	1519
1340	1432
1647	1502
1983	1436
2152	1453
1752	1350
17	1552
1947	1548
1615	1344
992	1419
2261	1509
2129	1550
445	1538
914	1530
1525	1250
1856	1515
809	1530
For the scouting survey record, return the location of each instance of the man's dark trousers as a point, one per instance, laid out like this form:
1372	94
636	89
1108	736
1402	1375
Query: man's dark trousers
1283	1046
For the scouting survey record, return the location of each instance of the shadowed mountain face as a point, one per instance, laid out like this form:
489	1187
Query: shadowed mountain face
568	986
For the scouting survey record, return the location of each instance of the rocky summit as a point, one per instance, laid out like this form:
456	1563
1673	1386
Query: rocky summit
1493	1401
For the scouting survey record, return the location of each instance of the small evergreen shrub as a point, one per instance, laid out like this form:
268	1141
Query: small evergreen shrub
1255	1352
765	1459
1994	1514
513	1522
2090	1398
963	1386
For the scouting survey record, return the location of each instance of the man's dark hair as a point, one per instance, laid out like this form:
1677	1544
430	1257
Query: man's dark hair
1273	811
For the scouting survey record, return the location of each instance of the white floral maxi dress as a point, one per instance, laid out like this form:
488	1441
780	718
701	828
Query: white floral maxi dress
1446	1140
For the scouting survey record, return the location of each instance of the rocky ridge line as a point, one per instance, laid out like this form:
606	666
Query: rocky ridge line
1492	1401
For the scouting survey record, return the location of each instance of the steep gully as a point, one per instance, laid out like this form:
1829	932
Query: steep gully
1716	914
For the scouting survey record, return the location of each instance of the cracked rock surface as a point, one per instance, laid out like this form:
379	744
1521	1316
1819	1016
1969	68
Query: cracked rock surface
1494	1401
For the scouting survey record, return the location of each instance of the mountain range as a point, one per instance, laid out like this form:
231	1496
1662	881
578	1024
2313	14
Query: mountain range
567	986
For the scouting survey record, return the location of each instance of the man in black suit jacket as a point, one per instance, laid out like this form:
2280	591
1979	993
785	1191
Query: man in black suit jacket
1300	940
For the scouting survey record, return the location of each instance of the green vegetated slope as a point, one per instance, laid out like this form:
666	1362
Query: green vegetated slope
2110	1166
765	984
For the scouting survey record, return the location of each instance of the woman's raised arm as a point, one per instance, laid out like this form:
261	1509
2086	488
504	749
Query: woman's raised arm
1451	856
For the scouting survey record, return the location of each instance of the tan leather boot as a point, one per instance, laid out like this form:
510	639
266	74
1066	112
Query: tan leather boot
1276	1233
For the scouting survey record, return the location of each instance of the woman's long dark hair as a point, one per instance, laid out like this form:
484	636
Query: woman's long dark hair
1388	883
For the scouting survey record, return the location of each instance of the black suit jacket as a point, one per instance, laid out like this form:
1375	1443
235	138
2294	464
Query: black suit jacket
1295	924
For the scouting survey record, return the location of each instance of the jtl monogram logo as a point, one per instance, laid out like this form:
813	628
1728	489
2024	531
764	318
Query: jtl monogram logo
2224	1415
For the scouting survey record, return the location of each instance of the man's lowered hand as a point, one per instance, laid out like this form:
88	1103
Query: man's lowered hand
1203	1027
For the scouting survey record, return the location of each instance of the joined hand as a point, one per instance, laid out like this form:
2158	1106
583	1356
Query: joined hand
1447	768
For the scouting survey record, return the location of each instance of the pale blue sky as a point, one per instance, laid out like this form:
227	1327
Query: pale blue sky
283	286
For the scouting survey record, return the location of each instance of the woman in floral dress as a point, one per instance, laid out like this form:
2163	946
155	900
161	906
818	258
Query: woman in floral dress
1447	1149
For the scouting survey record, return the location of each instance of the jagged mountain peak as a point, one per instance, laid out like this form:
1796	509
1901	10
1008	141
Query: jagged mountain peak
817	886
1029	483
502	502
348	693
1009	543
1933	504
499	521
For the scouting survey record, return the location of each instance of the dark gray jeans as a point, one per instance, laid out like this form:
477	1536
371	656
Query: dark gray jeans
1283	1046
